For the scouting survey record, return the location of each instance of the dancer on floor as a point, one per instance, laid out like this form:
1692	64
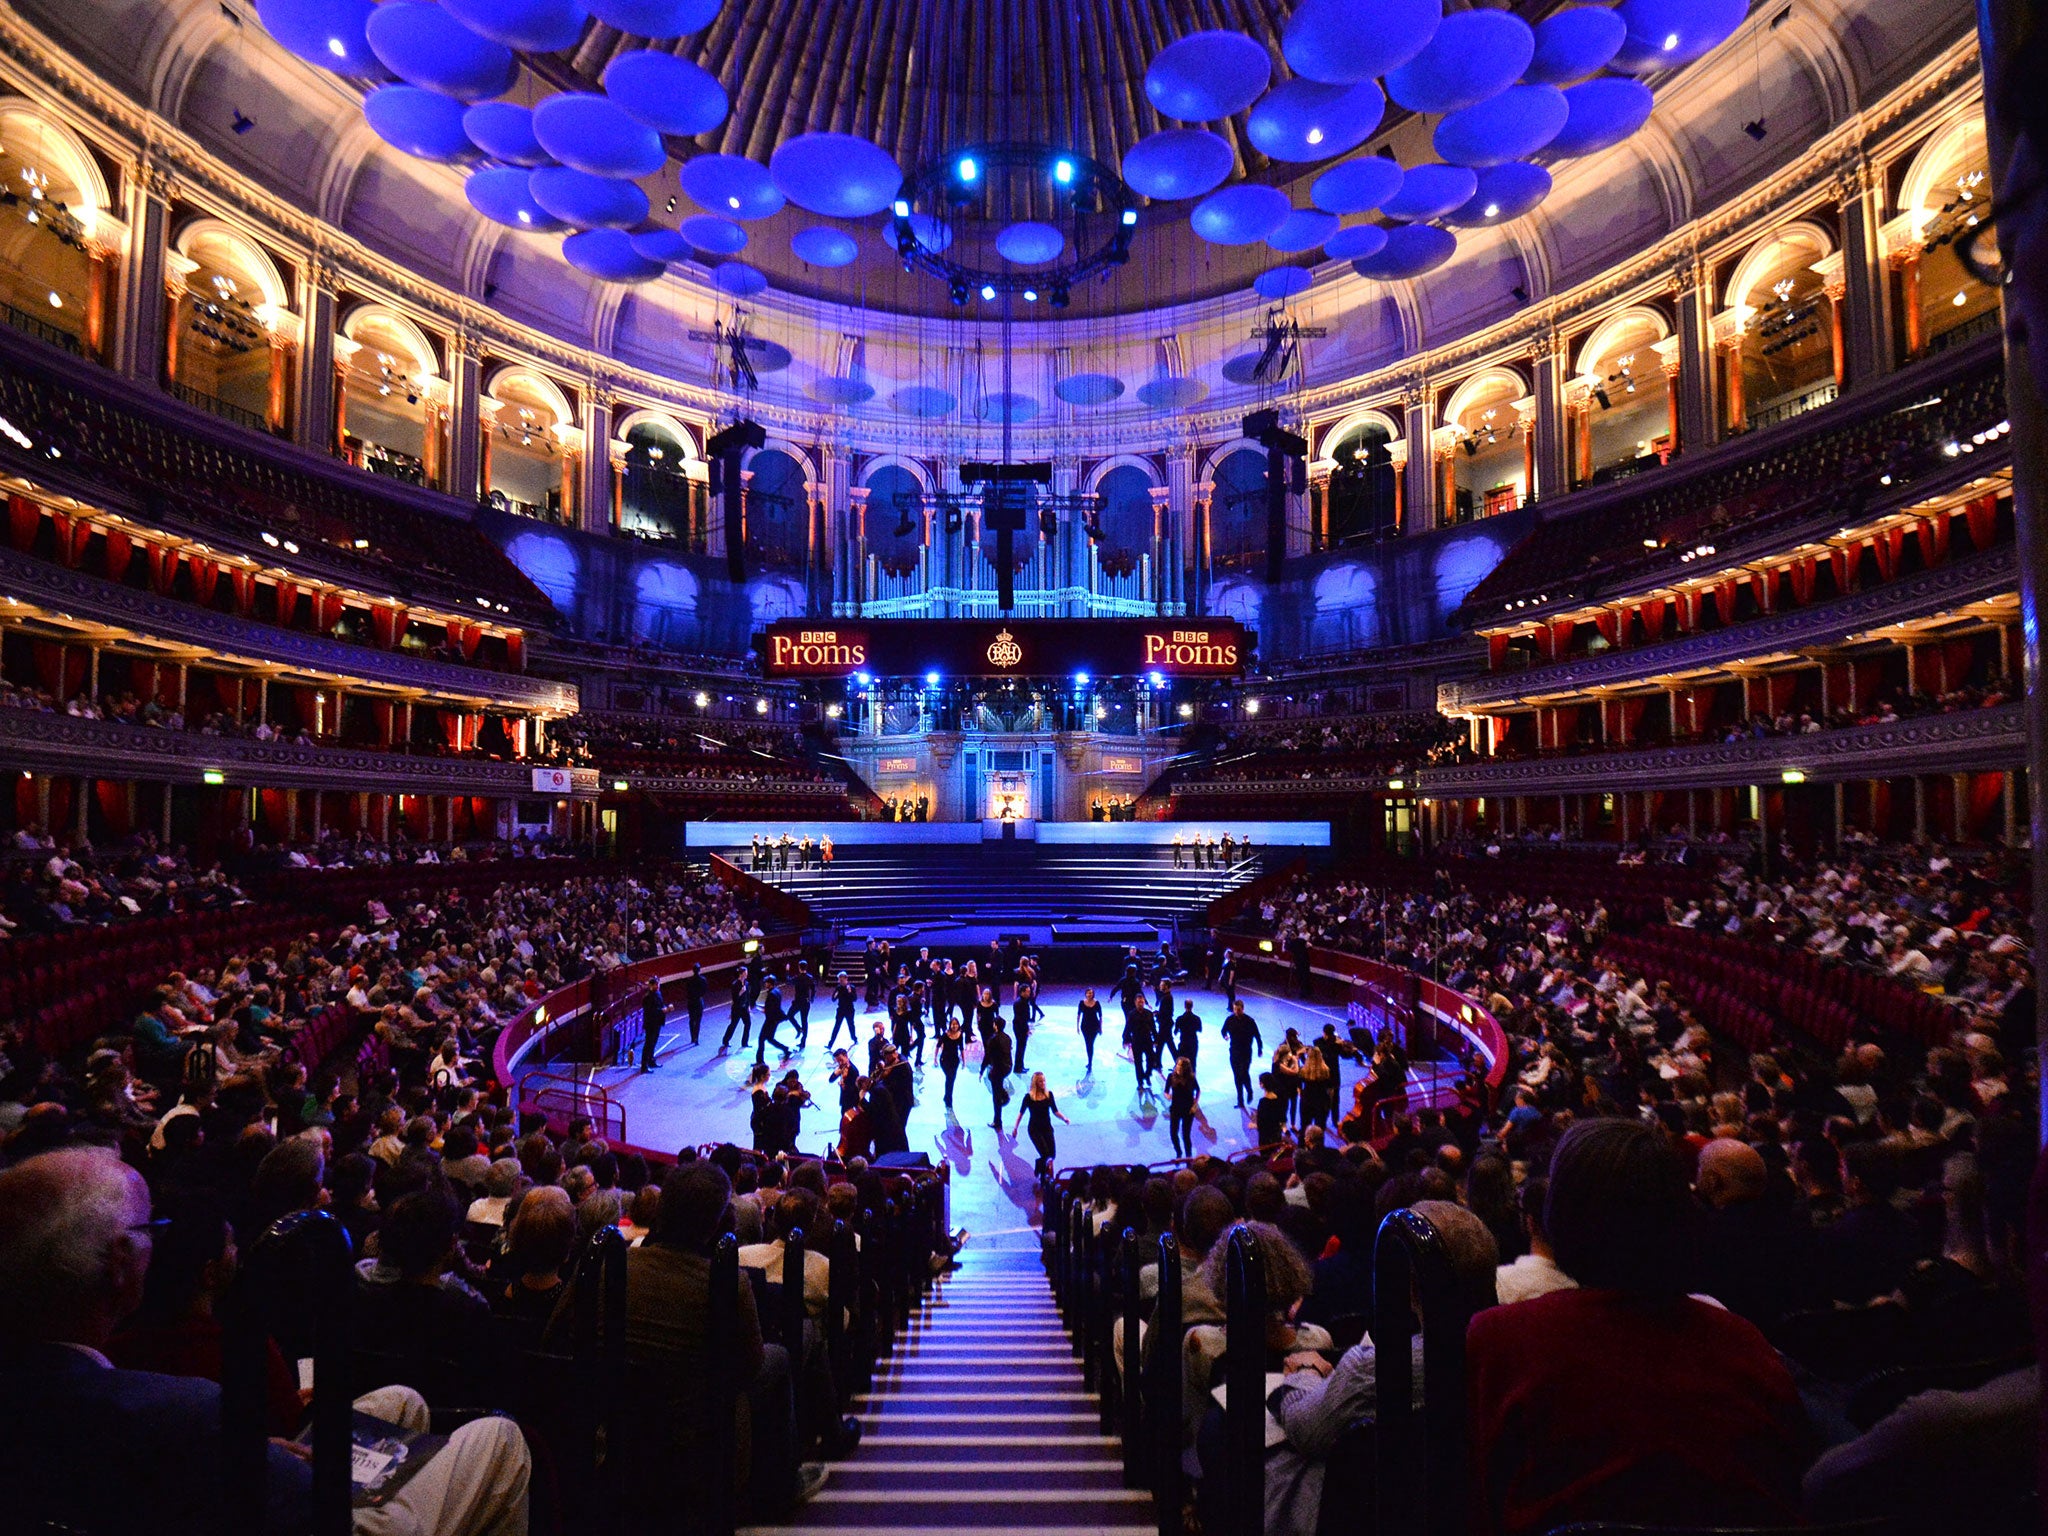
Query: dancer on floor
843	1010
995	1064
1088	1014
952	1050
1141	1037
1242	1031
1183	1100
1020	1018
652	1016
1040	1105
694	989
741	1017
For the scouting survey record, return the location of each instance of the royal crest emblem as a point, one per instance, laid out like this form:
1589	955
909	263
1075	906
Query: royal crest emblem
1004	651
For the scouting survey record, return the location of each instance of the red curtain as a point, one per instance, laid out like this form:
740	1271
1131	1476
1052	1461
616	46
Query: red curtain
1981	517
384	712
1985	790
205	577
1765	585
243	585
1629	713
465	637
287	602
1844	562
24	801
515	650
112	795
24	517
387	624
1956	659
163	567
1889	544
327	607
1688	608
1609	625
1779	692
61	803
1934	538
1653	614
1496	649
1800	574
120	552
1724	600
59	668
73	535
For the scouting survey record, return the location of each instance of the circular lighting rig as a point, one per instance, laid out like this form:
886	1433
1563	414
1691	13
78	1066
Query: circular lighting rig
1000	184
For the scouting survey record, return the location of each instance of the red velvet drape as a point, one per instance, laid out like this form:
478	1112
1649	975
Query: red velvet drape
515	650
163	567
1934	538
287	602
1981	517
205	577
243	585
1496	650
327	609
1724	600
120	554
112	795
24	518
387	624
73	535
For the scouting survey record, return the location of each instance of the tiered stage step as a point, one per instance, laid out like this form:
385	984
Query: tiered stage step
1078	890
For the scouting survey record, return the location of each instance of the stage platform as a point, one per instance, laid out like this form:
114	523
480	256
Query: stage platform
724	836
699	1095
1013	886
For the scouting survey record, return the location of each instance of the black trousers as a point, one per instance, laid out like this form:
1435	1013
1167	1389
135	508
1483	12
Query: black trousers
999	1095
741	1019
1023	1039
1181	1128
1241	1074
650	1037
951	1072
696	1021
844	1017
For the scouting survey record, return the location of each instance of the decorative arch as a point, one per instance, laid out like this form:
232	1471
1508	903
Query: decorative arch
1469	390
546	388
875	466
1215	456
1802	238
65	148
418	348
650	416
1609	332
1357	421
1930	178
1136	461
196	236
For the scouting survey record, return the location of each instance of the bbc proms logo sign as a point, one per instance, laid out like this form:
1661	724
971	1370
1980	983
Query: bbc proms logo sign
551	781
1048	648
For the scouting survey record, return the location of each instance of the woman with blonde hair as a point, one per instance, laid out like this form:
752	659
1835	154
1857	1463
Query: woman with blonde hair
1040	1105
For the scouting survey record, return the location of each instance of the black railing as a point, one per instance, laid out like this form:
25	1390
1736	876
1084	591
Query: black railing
1244	1407
213	405
1163	1389
721	1348
1985	322
36	326
1420	1473
1812	400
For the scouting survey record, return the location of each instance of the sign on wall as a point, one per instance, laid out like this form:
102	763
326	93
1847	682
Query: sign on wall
1005	647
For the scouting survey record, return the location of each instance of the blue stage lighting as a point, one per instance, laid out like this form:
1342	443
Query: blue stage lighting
931	679
863	679
969	168
1155	679
1063	170
1081	679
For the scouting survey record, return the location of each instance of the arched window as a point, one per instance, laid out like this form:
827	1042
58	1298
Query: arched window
223	351
657	499
1786	352
1944	196
1489	471
527	426
778	510
1624	409
1363	500
895	518
1126	498
390	413
1237	511
51	195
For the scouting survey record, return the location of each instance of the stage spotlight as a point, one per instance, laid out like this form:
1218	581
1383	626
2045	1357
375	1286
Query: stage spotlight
931	679
957	291
902	207
1155	679
670	207
1063	170
969	169
1080	679
1130	218
864	679
988	290
1030	295
1600	394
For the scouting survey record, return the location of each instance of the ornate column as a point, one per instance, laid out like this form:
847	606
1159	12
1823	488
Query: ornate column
1188	505
1547	447
1728	343
1692	304
138	348
834	465
1669	358
856	543
1865	322
178	269
594	494
1906	262
465	421
1835	285
284	328
314	388
106	237
1420	511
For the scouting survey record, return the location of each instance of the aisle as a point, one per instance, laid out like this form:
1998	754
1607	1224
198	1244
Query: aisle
979	1421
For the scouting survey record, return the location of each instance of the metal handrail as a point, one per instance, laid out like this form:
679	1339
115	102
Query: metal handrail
1419	1463
721	1347
1244	1409
1130	1391
1163	1388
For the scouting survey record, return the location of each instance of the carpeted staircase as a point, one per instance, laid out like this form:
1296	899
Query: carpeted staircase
979	1421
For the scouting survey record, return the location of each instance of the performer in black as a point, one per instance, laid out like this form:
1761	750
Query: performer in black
1226	977
843	1012
1020	1019
1143	1042
771	1016
995	1064
1040	1105
1089	1017
952	1048
741	1017
652	1014
1183	1095
1187	1033
1242	1031
694	988
803	986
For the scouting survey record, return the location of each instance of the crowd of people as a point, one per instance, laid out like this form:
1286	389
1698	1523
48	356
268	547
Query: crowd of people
1767	1228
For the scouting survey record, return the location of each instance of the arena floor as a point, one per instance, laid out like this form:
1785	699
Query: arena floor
699	1095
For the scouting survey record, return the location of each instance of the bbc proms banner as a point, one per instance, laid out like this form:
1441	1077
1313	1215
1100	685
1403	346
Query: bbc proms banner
1005	647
